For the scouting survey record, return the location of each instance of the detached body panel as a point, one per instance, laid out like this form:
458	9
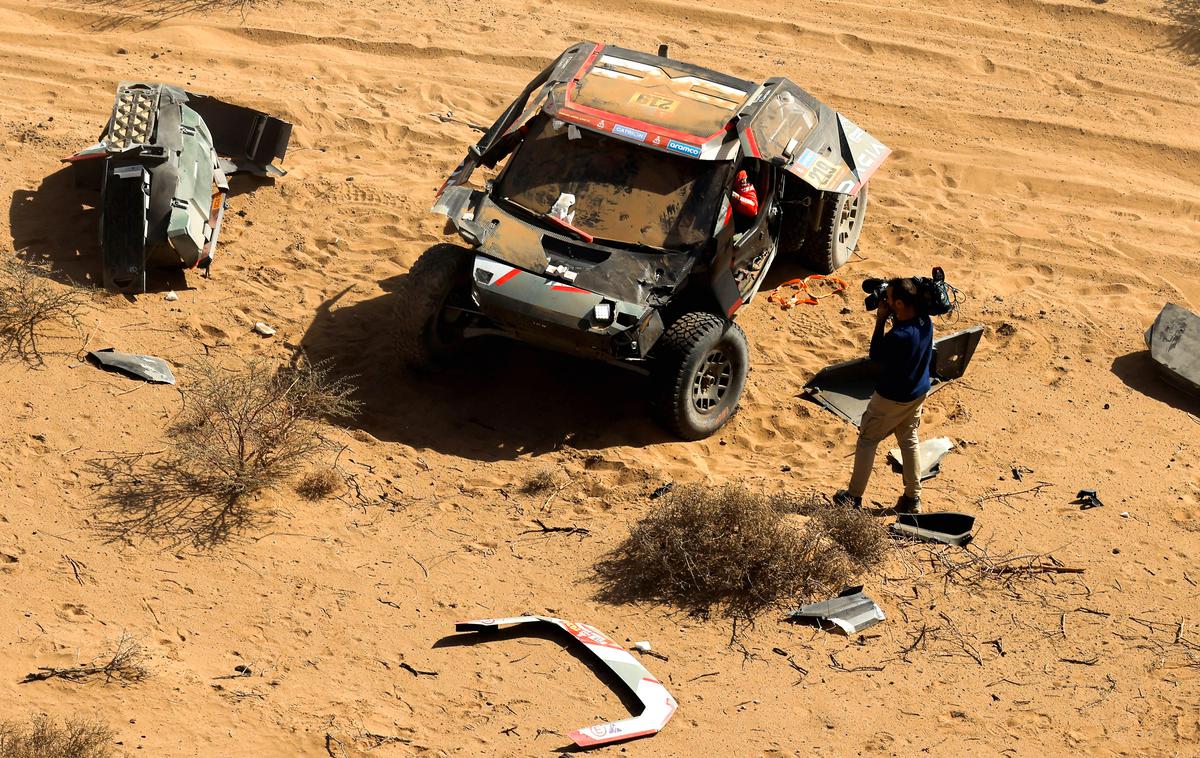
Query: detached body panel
658	705
157	150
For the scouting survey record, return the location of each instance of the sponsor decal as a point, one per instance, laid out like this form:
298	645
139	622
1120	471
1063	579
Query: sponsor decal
657	102
683	147
624	131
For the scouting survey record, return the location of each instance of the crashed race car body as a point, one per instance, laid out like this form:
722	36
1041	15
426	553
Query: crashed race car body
163	180
612	219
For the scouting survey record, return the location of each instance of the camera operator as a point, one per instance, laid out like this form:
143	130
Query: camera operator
903	355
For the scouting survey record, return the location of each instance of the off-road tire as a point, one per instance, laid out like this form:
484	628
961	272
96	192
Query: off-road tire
700	366
838	230
423	341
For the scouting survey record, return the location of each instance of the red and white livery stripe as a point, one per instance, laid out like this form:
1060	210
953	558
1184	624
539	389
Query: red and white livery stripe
658	705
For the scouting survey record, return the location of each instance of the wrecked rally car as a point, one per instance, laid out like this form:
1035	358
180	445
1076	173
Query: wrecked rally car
611	230
162	179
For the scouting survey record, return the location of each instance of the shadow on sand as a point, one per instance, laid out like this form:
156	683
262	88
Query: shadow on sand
59	224
141	15
1186	36
550	633
1139	372
506	400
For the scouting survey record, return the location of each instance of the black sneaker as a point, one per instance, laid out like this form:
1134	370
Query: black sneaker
844	499
908	504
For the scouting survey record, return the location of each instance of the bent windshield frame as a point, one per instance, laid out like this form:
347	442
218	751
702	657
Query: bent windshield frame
622	192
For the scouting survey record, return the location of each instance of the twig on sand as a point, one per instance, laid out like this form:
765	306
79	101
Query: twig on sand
1035	490
424	570
582	531
416	671
125	664
75	566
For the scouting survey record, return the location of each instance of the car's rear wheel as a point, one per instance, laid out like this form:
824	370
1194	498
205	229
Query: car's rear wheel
434	306
837	233
700	366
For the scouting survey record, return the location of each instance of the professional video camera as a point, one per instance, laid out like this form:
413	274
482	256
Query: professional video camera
934	296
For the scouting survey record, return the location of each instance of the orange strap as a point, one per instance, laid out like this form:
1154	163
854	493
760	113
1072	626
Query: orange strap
787	302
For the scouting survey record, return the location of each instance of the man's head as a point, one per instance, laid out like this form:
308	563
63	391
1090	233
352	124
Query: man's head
902	297
742	177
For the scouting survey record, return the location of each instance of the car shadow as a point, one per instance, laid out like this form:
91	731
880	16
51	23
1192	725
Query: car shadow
58	224
1139	372
505	400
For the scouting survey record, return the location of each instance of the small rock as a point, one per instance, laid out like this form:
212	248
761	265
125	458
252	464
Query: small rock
121	51
1124	514
1116	551
263	329
1107	406
171	296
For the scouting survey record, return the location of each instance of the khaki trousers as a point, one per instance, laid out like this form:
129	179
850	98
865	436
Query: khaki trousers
884	417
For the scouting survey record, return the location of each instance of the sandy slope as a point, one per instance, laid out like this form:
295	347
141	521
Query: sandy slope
1045	155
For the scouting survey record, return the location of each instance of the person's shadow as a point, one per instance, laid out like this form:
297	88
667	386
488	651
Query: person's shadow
505	400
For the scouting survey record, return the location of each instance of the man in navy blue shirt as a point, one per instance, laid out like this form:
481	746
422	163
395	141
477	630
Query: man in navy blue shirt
903	355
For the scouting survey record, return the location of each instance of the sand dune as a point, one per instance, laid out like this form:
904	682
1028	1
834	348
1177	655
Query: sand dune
1045	153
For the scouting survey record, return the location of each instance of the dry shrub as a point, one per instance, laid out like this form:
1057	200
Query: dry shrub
539	483
125	664
319	483
861	535
31	304
254	427
44	738
730	548
240	432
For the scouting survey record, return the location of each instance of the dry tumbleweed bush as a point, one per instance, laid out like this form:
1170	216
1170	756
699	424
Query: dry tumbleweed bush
44	738
126	664
539	483
240	432
861	535
728	548
319	483
254	427
30	304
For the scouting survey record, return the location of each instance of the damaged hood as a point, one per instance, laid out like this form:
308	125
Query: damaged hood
682	109
632	276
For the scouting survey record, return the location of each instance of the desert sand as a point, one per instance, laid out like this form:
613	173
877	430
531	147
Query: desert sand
1045	153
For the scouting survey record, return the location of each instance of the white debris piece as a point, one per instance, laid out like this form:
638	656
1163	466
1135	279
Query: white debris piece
171	297
642	646
263	329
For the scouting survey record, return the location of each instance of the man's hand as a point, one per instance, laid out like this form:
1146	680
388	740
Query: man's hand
883	311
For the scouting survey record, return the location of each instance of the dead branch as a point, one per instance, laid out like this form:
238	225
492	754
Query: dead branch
967	647
416	671
1035	490
126	664
582	531
835	664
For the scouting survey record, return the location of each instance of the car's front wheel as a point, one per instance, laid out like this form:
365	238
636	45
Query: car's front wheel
838	230
700	366
434	306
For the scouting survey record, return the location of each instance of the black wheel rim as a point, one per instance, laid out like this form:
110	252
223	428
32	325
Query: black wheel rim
710	385
449	321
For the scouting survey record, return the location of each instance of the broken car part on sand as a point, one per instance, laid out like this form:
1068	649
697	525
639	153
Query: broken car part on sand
657	704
